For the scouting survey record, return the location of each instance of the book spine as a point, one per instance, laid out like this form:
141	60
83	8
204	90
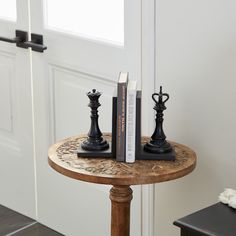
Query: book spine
114	125
130	126
121	121
138	125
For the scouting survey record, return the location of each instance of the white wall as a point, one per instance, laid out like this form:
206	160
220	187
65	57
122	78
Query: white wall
196	64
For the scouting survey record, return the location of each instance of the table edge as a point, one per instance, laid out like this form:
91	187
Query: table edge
121	181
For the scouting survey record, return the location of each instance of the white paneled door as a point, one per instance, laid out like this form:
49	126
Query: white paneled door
43	100
17	182
89	43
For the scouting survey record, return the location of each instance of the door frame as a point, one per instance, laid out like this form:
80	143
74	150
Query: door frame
148	86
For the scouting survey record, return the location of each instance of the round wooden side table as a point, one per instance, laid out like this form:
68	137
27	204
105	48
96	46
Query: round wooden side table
62	157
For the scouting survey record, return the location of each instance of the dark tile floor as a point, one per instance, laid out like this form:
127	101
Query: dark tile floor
15	224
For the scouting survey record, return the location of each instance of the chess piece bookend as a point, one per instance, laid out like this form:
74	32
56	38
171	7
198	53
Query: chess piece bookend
94	142
158	147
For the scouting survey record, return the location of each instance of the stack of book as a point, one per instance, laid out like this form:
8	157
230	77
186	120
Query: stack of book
125	110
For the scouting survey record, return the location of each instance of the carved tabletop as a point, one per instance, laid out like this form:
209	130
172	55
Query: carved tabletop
63	158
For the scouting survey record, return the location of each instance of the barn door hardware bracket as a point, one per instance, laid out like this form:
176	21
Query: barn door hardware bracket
21	40
36	43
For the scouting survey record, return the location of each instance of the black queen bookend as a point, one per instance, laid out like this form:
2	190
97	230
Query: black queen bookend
94	144
158	148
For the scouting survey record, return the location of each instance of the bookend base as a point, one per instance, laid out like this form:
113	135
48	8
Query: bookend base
143	155
99	154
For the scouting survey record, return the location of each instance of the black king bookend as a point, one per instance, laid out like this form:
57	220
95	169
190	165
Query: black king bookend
94	145
158	148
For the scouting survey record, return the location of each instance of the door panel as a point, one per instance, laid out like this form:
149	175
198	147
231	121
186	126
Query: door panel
9	143
68	88
7	67
71	66
16	135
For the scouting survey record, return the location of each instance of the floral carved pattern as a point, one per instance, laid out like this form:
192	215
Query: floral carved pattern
64	155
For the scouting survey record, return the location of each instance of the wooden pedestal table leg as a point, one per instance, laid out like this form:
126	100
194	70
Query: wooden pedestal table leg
121	197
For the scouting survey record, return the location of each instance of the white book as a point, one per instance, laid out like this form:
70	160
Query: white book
131	121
